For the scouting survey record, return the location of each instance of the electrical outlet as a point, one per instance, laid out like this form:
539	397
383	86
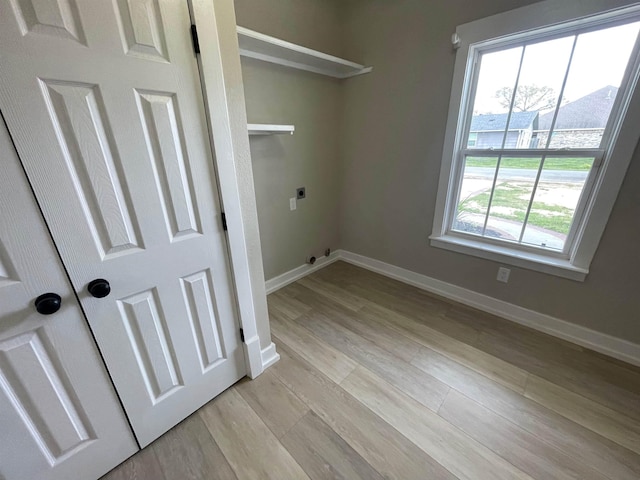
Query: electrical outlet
292	203
503	274
301	193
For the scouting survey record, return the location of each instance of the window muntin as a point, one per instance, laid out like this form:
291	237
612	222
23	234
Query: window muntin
530	158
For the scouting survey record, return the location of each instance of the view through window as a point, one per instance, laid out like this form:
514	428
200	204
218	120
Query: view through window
539	124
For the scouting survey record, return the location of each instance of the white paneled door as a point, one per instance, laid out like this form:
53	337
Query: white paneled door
59	415
103	100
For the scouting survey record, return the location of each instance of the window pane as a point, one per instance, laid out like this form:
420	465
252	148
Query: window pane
489	121
474	194
544	68
561	183
597	68
511	197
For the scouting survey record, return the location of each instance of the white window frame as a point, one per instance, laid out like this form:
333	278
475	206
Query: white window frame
548	18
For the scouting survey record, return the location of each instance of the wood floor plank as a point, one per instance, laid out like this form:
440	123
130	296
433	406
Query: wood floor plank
411	380
524	450
344	275
486	322
457	452
338	273
386	338
323	454
611	369
393	290
485	364
567	436
592	415
578	369
188	452
247	443
559	366
382	446
417	311
274	403
605	359
325	358
142	466
543	351
335	293
287	306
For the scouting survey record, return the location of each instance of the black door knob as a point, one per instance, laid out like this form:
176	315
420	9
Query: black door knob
99	288
48	303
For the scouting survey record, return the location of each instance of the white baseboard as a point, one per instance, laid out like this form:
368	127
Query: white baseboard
600	342
276	283
253	356
269	356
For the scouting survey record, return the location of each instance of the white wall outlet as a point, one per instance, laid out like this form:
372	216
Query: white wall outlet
503	274
292	203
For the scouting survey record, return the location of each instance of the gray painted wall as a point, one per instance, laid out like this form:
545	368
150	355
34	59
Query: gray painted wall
309	158
394	124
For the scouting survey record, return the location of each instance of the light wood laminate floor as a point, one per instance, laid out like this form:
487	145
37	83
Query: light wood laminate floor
378	379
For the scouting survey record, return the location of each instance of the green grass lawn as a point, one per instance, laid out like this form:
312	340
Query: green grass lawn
515	196
571	164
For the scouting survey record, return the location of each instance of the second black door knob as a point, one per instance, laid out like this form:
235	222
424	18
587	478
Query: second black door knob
99	288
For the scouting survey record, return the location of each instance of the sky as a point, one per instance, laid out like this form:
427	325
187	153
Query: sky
599	60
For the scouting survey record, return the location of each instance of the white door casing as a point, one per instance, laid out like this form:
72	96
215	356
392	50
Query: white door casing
105	106
59	415
221	77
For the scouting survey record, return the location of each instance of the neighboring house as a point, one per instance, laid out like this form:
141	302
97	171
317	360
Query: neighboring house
580	123
487	131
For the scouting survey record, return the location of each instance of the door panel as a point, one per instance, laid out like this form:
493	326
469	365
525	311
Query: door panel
145	326
84	136
112	133
59	415
54	18
203	318
142	30
32	379
165	143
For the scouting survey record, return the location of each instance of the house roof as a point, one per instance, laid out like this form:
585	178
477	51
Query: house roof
590	111
491	121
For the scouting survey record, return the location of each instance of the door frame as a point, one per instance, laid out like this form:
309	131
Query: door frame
221	79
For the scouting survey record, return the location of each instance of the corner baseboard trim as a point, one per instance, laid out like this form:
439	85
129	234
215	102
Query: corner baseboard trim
276	283
600	342
253	356
269	356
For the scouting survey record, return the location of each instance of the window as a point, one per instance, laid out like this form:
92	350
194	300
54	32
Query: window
538	135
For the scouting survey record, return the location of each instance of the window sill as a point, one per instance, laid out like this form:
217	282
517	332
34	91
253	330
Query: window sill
531	261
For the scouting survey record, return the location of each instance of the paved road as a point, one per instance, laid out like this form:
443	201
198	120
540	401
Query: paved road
560	176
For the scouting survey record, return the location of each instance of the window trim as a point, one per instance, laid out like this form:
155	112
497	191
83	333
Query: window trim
543	17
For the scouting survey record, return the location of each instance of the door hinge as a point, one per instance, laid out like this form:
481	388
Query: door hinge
224	222
194	38
242	335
